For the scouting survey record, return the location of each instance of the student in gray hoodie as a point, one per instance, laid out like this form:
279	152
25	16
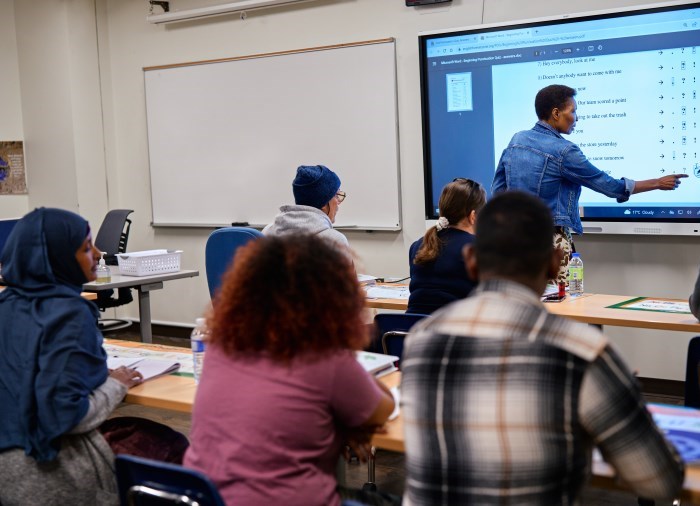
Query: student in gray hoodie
317	197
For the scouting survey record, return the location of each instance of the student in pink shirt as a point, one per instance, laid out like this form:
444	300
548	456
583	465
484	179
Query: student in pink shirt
281	392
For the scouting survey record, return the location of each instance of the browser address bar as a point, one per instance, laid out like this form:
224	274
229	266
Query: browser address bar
512	41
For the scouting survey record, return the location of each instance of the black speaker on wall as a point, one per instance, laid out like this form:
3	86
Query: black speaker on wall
414	3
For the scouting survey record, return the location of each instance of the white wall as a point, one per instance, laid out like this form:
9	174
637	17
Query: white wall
61	105
11	206
73	133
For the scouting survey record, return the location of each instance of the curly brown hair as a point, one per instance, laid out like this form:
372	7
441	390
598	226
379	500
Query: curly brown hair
288	296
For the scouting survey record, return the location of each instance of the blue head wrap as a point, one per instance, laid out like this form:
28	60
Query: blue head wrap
40	251
51	355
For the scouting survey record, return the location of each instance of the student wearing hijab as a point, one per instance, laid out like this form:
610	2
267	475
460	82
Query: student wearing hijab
55	388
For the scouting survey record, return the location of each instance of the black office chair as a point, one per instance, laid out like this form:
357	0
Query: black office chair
114	234
692	378
112	239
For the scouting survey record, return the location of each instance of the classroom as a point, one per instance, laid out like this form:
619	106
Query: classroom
72	90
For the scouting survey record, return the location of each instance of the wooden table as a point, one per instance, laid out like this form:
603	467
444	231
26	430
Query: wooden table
143	285
177	393
593	309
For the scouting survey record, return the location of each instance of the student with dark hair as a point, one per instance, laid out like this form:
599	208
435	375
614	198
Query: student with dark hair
540	161
281	391
438	276
503	402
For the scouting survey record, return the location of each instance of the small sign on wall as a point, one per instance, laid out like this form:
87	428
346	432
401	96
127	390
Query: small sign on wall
13	180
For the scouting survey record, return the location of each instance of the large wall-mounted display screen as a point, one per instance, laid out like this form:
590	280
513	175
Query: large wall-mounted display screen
637	79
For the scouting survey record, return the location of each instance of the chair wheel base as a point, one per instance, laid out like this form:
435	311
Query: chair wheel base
109	325
369	487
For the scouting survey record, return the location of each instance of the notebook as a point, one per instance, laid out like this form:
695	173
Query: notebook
148	367
377	363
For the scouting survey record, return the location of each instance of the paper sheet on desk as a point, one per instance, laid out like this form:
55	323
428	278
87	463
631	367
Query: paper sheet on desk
396	394
666	306
148	367
366	279
387	292
378	364
127	352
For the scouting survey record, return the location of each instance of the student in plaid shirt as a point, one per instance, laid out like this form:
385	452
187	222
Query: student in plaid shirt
503	402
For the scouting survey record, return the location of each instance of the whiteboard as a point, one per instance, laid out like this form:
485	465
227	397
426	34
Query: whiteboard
225	137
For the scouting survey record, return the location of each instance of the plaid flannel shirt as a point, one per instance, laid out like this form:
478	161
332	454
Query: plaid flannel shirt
503	403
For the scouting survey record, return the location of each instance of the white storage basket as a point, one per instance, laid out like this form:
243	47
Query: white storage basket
147	263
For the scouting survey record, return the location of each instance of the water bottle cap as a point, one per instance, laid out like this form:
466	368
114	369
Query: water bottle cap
200	322
575	255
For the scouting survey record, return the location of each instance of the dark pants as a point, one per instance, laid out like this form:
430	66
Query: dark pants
144	438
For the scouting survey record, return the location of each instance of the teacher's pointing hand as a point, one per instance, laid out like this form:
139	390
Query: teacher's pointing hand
670	182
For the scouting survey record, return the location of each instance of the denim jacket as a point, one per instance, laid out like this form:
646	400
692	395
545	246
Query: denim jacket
542	162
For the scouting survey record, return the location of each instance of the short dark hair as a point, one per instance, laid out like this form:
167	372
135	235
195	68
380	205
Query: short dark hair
551	97
514	235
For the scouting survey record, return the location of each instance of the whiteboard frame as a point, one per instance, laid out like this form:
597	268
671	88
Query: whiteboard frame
395	210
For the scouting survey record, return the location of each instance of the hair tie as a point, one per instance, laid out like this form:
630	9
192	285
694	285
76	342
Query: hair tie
442	222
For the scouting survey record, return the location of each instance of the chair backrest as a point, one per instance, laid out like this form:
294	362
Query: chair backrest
6	227
144	482
221	248
692	378
392	342
394	322
114	234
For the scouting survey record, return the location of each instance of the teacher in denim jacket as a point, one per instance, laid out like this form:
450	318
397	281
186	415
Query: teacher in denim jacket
542	162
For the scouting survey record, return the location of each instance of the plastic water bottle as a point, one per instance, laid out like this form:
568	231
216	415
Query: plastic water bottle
198	338
575	275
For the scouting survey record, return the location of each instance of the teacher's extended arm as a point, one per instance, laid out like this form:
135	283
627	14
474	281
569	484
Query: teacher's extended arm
670	182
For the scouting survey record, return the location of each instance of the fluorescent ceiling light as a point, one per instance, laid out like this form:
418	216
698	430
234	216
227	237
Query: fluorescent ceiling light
216	10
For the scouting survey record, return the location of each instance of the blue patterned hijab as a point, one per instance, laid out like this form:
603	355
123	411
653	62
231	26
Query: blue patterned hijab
51	355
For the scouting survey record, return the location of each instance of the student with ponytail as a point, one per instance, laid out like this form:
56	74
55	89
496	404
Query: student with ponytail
438	275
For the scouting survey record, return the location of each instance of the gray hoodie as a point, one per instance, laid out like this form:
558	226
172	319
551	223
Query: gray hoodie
295	219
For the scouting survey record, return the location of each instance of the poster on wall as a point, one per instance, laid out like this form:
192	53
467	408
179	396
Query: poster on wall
13	179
